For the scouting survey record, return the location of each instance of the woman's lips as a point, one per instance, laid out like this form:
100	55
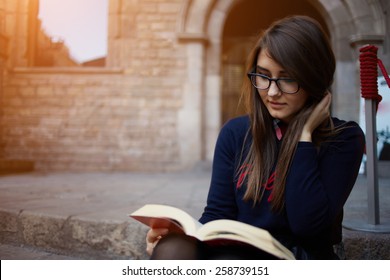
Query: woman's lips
276	105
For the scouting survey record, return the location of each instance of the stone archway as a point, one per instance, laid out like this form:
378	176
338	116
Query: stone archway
201	26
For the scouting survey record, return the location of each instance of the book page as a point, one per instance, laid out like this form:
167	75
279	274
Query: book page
238	231
163	216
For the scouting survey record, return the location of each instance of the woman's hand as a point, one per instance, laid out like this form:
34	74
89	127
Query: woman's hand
153	237
319	114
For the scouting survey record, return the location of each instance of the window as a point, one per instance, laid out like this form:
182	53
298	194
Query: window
71	33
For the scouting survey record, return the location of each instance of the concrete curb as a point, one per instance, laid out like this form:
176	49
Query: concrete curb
366	246
82	238
109	240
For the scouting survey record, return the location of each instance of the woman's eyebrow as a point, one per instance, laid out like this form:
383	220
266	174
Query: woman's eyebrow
261	68
281	72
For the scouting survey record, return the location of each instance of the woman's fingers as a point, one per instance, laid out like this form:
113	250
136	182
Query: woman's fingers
324	104
152	238
327	100
321	111
319	114
154	234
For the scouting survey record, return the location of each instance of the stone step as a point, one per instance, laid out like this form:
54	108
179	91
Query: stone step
109	240
74	237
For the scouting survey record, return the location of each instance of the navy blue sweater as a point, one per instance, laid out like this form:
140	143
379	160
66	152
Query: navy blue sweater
318	184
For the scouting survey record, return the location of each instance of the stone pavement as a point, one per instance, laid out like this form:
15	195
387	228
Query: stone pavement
85	215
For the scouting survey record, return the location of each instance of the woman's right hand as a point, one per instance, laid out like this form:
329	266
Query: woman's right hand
319	114
153	237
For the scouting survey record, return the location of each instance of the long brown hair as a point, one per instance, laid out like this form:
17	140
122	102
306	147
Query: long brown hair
301	47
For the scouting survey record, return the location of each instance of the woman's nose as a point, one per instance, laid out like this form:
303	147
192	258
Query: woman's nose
273	89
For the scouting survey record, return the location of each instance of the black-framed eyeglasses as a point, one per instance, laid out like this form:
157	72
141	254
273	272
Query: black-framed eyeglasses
263	82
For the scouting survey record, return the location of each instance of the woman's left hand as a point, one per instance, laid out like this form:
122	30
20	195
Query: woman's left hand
153	237
319	114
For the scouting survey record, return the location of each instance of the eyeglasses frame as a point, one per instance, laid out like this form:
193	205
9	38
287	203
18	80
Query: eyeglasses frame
270	80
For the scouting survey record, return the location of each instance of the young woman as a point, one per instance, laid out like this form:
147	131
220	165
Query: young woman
287	166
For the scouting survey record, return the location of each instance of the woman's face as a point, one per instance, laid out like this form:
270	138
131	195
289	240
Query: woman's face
282	106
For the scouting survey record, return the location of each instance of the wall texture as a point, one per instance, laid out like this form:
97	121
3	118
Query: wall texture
120	117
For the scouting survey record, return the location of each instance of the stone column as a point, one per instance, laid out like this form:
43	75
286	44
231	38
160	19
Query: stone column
212	112
189	124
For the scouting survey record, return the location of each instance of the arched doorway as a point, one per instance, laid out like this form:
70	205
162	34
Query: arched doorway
243	24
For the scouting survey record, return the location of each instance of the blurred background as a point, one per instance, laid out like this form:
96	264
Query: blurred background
145	85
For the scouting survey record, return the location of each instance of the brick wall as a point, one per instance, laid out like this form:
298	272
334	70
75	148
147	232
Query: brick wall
123	117
87	121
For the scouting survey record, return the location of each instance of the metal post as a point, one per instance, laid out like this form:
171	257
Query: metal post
372	163
373	215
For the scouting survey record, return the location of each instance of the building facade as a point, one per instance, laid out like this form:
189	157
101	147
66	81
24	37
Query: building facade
170	80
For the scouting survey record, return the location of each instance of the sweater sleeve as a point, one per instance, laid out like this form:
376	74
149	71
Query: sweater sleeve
221	201
319	184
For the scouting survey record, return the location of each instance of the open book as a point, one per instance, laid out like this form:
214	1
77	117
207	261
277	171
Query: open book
176	220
